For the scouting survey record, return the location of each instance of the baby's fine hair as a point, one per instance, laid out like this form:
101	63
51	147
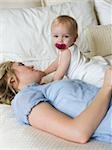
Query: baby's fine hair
64	19
7	93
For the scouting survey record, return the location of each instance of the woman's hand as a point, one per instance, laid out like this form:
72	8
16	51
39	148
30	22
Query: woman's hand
108	79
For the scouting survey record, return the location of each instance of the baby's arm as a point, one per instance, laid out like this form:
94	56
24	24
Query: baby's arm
52	67
63	64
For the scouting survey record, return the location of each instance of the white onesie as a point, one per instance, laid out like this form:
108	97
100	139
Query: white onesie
89	70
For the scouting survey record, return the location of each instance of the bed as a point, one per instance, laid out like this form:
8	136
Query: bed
25	36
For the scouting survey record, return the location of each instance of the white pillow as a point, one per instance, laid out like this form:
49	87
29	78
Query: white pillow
54	2
25	33
104	11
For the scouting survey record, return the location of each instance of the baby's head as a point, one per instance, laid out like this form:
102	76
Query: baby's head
14	76
64	31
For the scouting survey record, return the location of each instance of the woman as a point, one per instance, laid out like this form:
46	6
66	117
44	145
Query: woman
41	106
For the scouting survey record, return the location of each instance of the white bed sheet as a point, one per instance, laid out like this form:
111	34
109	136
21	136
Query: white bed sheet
15	136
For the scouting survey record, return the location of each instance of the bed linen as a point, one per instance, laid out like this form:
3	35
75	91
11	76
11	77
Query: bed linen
14	136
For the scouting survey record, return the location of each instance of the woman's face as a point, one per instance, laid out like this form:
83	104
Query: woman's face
26	74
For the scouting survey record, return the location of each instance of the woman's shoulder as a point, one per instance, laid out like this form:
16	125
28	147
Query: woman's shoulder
27	93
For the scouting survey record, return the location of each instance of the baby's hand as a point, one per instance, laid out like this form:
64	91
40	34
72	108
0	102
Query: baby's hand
43	73
48	78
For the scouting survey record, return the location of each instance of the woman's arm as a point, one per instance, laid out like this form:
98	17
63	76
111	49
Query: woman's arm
79	129
63	64
96	111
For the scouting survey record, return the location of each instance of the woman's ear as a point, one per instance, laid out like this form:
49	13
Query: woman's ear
12	80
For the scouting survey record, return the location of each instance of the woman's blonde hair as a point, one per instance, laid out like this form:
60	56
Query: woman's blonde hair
64	19
7	92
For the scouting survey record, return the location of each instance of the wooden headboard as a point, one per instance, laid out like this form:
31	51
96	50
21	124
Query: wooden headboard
20	3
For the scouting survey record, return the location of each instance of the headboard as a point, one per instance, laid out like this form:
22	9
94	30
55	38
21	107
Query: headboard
19	3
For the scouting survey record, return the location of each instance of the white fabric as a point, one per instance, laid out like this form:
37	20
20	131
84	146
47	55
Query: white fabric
19	3
104	11
109	59
76	64
14	136
91	71
25	33
54	2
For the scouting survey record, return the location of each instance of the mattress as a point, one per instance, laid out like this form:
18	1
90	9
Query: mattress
16	136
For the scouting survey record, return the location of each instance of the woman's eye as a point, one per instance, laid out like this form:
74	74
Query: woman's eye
20	64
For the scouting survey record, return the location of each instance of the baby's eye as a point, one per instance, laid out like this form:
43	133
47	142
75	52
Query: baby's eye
56	36
66	36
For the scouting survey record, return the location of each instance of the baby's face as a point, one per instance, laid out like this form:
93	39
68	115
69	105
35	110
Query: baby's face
63	34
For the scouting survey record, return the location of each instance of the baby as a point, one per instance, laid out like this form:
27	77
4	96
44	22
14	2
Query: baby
70	61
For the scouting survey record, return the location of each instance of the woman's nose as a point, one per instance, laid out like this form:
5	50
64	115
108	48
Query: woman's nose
31	66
